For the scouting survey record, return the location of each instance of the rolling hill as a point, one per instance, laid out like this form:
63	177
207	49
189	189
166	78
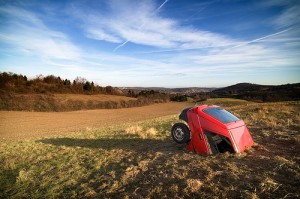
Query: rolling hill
258	92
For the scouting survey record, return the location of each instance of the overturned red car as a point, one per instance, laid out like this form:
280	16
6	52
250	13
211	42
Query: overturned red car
210	130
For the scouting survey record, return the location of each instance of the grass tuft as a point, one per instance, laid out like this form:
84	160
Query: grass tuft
133	130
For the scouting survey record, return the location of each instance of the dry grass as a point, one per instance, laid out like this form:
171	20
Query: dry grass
140	132
95	98
133	130
117	162
64	102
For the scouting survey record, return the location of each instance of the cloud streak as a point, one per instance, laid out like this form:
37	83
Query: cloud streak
140	28
261	38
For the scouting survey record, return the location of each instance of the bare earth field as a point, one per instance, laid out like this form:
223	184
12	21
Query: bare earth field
20	125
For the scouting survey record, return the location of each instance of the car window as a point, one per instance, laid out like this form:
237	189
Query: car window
221	114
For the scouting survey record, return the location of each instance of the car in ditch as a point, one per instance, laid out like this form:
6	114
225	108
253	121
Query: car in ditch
210	129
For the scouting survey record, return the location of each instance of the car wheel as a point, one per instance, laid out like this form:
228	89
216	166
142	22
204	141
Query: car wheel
180	133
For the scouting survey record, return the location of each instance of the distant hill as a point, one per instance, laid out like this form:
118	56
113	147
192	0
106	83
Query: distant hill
12	84
186	90
238	88
246	91
258	92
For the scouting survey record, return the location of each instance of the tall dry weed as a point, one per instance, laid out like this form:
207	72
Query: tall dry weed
151	132
140	132
193	185
24	176
133	130
271	122
269	184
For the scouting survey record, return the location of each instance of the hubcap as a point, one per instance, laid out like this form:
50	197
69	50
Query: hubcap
179	134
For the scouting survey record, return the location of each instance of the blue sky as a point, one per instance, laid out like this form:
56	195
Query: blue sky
164	43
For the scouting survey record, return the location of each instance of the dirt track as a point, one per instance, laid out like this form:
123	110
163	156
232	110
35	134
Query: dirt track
22	125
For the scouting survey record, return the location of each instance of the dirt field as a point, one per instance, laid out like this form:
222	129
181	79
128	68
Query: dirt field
20	125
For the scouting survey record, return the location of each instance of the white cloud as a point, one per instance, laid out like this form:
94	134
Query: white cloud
27	33
99	34
182	52
139	23
290	16
249	58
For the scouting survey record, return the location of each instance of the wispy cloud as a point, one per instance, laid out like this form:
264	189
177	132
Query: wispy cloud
142	25
155	49
27	33
243	57
139	22
261	38
289	16
99	34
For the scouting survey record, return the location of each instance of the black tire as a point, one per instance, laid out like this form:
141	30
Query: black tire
180	133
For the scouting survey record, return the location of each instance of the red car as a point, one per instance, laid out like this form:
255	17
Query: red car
211	130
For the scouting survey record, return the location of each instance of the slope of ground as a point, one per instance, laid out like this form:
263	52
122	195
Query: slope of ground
96	98
140	160
63	102
17	124
256	92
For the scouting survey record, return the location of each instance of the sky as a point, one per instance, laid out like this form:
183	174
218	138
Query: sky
153	43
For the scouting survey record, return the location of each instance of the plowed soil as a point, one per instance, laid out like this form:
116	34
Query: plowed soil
22	125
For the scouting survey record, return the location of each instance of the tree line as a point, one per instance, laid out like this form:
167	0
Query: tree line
43	88
51	84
